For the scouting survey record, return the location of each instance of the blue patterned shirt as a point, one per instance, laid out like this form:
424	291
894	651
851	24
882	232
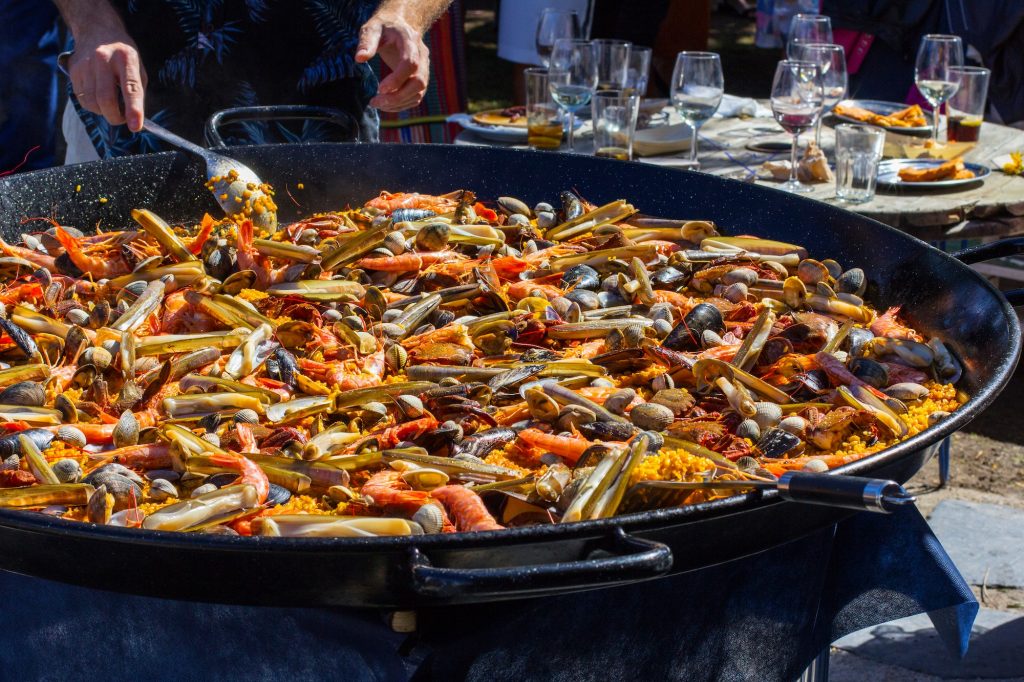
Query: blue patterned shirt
205	55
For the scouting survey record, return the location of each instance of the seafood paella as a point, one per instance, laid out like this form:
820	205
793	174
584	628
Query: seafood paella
436	364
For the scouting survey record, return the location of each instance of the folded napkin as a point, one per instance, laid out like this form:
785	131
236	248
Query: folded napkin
662	140
732	106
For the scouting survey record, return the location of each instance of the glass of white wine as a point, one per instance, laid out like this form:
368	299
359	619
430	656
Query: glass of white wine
807	28
572	77
697	89
796	103
935	56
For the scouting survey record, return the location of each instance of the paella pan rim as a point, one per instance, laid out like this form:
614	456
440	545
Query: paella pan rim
665	518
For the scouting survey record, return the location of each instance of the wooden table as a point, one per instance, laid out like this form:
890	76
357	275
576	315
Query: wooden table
994	208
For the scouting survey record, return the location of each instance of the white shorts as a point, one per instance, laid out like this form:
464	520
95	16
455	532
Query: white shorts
517	26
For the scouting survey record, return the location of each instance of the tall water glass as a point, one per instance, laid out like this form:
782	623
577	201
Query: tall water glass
858	151
936	55
612	63
796	103
697	89
543	125
614	114
965	110
831	60
639	71
552	25
805	29
572	77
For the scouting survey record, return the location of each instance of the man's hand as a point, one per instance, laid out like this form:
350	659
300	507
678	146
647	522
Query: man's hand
395	32
107	76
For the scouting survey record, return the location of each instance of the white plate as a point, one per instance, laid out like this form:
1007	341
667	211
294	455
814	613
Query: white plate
889	174
884	108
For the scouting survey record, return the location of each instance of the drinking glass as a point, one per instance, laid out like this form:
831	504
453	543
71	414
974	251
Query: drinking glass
831	61
543	124
639	71
552	25
572	77
807	28
612	58
697	89
796	102
614	113
936	55
966	108
858	151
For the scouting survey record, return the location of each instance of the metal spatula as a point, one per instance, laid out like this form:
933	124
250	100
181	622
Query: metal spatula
850	492
233	187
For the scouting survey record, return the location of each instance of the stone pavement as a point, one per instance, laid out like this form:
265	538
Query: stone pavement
986	542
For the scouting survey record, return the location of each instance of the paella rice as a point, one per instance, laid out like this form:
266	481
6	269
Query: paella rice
430	363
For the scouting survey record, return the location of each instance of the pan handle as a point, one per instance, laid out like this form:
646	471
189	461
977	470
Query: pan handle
1013	246
631	559
276	112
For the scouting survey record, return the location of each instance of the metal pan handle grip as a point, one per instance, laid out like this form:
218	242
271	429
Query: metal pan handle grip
849	492
634	559
1013	246
276	112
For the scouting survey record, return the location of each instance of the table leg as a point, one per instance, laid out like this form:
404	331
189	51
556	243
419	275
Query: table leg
817	671
944	463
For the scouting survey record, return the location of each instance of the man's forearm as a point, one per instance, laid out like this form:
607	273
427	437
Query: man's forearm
420	14
85	16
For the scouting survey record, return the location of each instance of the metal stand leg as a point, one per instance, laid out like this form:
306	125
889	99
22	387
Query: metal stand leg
817	671
944	463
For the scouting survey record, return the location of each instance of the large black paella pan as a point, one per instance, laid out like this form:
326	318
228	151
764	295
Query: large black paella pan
939	295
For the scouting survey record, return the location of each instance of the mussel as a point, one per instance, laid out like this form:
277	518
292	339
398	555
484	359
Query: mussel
687	334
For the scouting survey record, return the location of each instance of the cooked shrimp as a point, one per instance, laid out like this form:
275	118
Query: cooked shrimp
250	259
389	490
409	262
888	326
108	264
37	257
438	204
466	508
568	447
147	456
345	375
251	473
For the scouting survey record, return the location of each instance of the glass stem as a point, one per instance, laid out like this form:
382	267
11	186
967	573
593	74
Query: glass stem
693	141
817	130
935	123
792	160
572	122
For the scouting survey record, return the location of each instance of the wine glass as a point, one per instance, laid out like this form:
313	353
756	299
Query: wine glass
552	25
936	54
807	28
697	89
831	61
796	102
573	77
612	63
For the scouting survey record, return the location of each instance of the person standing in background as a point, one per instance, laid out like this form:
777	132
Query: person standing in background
28	84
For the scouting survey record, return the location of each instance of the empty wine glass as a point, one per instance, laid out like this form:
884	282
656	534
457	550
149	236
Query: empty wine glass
697	89
612	63
796	102
807	28
572	77
552	25
936	54
831	61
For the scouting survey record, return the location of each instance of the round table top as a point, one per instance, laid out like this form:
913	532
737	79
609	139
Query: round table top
994	207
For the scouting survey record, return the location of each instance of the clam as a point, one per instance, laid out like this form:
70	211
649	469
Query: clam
433	237
748	428
853	281
100	315
100	506
815	466
587	300
617	402
870	372
203	490
744	276
661	328
396	357
97	356
811	271
247	416
541	406
767	414
573	416
126	430
430	517
581	277
794	424
77	316
233	285
651	416
71	436
736	293
410	406
662	382
25	393
512	206
678	400
424	478
67	470
395	242
907	391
